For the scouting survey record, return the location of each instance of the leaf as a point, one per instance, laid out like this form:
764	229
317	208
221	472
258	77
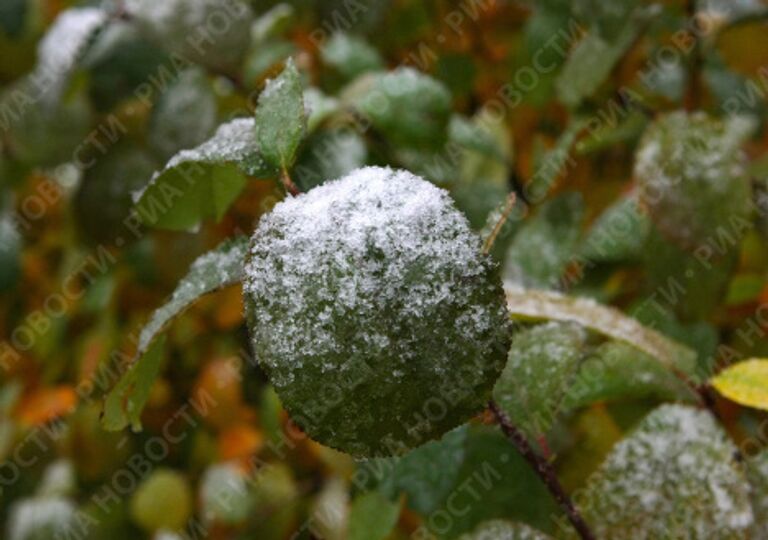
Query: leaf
208	32
498	529
691	175
757	474
553	162
746	383
350	55
546	305
674	476
184	116
272	23
13	14
10	252
202	182
372	517
510	488
280	119
407	106
426	475
214	270
319	107
543	247
327	155
125	402
618	234
616	371
61	48
535	380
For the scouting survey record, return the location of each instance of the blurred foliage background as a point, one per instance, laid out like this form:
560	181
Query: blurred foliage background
549	100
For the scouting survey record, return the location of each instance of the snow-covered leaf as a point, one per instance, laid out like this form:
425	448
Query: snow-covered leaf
280	118
535	380
407	106
375	285
673	477
498	529
546	305
327	155
691	174
184	115
350	55
541	250
219	268
61	48
202	182
193	29
745	383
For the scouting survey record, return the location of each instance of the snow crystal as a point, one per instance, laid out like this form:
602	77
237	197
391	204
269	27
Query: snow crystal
376	267
673	476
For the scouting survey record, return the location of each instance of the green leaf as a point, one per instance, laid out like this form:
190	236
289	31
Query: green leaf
350	55
192	29
372	517
219	268
327	155
542	249
13	14
426	475
694	283
184	116
407	106
10	251
618	234
103	202
691	174
674	476
553	162
202	182
540	305
746	383
498	529
125	402
616	371
60	50
536	378
510	488
319	107
484	161
272	23
280	119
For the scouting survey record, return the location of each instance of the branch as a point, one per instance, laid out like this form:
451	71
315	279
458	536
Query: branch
290	187
543	469
507	210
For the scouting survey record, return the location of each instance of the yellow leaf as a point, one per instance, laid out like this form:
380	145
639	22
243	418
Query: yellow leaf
745	383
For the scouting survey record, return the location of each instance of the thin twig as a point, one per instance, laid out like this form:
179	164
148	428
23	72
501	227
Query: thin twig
506	211
290	187
543	469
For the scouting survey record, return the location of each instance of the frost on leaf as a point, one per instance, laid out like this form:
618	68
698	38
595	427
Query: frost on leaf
757	474
368	298
62	47
499	529
691	175
534	381
203	182
674	477
214	270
